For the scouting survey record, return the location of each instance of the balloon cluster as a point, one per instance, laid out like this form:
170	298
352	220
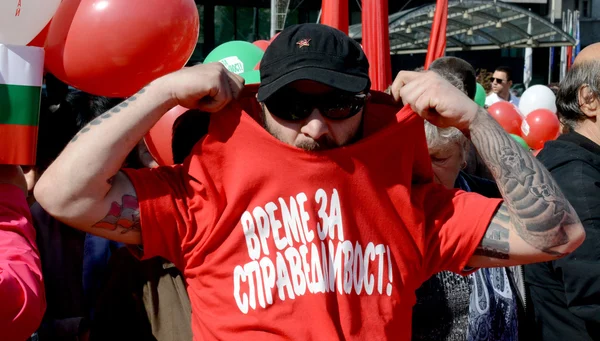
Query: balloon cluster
105	47
531	124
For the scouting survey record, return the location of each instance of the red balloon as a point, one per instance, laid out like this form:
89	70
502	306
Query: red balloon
40	39
275	36
540	125
262	44
159	139
508	116
115	47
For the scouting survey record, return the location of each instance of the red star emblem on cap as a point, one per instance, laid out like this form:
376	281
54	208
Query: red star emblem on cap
303	42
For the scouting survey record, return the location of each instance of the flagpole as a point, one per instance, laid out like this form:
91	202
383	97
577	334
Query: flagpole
527	69
563	50
551	56
577	42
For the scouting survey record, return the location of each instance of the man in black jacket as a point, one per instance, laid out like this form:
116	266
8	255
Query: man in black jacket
566	293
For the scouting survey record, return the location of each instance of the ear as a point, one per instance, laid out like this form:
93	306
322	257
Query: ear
588	101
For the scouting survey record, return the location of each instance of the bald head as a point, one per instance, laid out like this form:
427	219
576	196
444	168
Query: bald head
592	52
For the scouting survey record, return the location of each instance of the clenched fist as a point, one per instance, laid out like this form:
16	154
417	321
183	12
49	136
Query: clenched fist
207	87
435	99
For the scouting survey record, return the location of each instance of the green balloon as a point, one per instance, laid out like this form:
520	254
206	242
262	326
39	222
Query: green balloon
480	95
239	57
520	140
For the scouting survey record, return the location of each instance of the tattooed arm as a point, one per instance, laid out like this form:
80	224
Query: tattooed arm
84	188
535	223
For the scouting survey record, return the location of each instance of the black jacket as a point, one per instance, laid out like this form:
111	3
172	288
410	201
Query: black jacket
565	293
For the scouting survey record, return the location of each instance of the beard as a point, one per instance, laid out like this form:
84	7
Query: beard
326	142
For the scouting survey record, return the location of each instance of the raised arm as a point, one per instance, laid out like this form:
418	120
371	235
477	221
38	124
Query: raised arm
535	223
84	188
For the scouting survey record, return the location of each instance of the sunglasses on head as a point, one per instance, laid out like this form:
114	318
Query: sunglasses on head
290	105
498	80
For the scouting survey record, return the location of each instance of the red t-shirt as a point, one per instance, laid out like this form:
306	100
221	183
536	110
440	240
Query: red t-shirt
279	243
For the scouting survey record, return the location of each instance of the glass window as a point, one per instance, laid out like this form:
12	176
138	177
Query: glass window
291	18
197	55
585	11
264	24
355	18
313	15
245	23
224	24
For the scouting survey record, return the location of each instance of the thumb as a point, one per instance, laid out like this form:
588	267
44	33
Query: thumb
236	84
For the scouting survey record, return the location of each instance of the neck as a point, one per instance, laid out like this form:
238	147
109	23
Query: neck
505	96
589	129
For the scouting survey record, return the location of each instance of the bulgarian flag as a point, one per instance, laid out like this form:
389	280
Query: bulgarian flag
21	73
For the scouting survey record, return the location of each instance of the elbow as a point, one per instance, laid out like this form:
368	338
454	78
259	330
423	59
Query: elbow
576	235
42	195
51	197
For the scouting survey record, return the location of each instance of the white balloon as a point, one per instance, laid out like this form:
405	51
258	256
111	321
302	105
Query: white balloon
22	20
537	97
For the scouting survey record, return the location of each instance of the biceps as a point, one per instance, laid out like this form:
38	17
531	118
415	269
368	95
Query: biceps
115	217
118	216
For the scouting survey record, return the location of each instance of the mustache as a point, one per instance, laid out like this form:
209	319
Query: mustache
322	143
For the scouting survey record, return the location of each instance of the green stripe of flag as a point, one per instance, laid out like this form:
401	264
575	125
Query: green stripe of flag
19	104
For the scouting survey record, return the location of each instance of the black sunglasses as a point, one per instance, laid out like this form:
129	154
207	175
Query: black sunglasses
290	105
498	80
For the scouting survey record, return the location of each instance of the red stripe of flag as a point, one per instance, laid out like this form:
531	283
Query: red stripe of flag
437	37
18	144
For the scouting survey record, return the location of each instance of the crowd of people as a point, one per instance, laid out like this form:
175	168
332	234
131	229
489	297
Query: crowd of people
309	208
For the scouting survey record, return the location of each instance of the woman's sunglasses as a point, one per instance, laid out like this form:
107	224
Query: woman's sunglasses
290	105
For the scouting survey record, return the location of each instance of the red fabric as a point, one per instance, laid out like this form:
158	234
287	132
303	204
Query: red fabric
376	42
437	37
569	57
363	225
335	14
22	298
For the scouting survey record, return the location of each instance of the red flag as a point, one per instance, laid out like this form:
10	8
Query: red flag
569	57
376	42
335	14
437	37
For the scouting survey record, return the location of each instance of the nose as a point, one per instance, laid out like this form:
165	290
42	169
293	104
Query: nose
315	126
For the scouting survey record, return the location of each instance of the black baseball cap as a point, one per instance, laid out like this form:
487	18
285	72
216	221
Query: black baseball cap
313	52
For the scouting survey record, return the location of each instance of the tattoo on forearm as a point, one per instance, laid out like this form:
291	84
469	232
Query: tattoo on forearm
495	242
537	207
123	217
98	120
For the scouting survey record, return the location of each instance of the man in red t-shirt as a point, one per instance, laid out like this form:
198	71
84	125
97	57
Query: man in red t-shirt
314	217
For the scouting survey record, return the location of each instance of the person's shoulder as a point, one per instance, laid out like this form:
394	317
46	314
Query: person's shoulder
567	152
491	99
